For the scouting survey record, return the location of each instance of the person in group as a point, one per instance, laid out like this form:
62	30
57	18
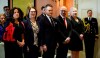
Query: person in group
6	11
31	35
75	44
2	25
27	13
65	29
90	34
48	33
40	17
14	34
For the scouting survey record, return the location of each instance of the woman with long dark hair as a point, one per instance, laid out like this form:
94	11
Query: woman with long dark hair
14	34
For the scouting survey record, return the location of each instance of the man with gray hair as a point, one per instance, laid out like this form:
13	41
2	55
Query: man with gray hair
48	33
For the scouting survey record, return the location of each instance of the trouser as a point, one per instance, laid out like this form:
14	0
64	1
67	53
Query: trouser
62	51
89	41
12	50
50	52
31	51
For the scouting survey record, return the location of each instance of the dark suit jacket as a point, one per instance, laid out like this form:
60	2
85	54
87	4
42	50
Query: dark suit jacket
47	32
41	17
77	27
93	25
63	31
29	34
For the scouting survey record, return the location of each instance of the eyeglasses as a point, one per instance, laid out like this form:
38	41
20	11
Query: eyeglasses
32	11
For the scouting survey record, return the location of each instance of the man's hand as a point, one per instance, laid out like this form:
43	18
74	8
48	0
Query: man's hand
44	48
67	40
41	48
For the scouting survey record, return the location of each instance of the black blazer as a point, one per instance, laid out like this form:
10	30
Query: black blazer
47	32
93	25
29	34
63	31
77	27
41	17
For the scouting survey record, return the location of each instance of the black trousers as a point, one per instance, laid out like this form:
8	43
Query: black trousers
50	51
89	41
12	50
62	51
33	51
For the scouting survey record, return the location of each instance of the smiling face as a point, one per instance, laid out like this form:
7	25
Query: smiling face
32	13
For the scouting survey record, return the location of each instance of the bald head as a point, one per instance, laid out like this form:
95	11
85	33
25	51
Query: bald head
63	11
63	8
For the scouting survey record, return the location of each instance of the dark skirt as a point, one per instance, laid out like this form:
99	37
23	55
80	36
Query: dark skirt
75	43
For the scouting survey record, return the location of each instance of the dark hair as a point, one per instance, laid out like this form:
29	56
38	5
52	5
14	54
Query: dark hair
42	7
20	14
35	10
48	5
5	7
89	10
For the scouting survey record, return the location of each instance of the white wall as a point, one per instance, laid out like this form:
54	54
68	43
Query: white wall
83	6
2	4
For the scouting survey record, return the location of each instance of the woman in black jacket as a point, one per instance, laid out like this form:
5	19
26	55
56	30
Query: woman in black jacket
31	48
76	44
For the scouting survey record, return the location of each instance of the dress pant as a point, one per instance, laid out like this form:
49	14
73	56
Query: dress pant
50	52
62	51
12	50
31	51
89	41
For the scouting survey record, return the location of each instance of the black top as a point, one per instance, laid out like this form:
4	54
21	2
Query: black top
19	30
77	29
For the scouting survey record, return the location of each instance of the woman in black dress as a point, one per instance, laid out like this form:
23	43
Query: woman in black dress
75	44
14	43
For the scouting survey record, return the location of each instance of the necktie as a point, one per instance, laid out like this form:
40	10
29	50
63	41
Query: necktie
52	22
65	22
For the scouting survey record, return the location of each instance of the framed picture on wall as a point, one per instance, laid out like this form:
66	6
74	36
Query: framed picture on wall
23	4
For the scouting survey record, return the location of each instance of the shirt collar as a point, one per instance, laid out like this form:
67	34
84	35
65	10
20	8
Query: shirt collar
62	16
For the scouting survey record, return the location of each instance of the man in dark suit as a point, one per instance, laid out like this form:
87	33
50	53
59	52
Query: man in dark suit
64	33
48	33
40	17
91	33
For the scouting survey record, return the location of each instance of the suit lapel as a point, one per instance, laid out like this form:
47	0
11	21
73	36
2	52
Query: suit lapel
47	21
62	21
